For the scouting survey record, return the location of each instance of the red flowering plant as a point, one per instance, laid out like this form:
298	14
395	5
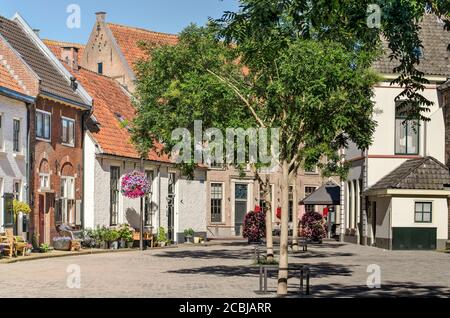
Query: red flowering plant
254	226
135	185
313	227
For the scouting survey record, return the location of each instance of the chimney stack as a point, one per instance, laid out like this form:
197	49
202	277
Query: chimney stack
101	16
70	56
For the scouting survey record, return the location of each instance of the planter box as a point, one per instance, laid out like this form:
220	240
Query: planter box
62	245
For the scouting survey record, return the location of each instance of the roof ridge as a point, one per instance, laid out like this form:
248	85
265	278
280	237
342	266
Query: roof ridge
141	29
95	73
420	161
57	42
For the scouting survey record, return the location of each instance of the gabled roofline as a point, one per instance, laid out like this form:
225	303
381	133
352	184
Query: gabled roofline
44	49
119	51
33	73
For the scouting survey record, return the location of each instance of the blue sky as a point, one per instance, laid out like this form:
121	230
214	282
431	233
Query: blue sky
169	16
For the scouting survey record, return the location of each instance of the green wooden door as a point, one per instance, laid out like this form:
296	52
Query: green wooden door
412	238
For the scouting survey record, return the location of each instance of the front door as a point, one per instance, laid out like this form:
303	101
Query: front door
41	218
171	207
240	207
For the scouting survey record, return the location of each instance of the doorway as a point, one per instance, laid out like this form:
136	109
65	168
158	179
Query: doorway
171	207
240	206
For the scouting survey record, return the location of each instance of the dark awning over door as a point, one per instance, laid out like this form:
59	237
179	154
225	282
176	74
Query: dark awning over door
328	194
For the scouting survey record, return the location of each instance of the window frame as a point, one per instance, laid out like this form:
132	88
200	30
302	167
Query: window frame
117	203
100	68
2	141
308	206
68	198
18	137
43	138
406	123
70	120
222	202
17	194
422	212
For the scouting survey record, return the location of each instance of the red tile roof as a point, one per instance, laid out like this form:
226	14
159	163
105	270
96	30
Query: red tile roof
8	81
55	47
128	38
110	103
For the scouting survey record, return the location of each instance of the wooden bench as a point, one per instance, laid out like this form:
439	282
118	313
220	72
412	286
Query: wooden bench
148	237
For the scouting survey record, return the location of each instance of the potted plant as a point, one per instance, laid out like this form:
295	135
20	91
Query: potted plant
254	226
125	235
102	237
162	237
188	234
313	227
62	243
29	249
44	248
114	237
135	185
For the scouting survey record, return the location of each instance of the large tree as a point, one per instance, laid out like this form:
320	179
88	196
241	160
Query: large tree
269	34
309	74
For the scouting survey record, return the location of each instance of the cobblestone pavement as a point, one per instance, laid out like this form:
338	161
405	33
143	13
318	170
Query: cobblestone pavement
338	270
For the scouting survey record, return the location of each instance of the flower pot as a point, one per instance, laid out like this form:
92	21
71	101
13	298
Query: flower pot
162	244
188	239
104	245
123	243
114	245
130	244
62	245
197	240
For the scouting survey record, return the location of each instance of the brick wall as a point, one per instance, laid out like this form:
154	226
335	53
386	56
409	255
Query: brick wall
59	158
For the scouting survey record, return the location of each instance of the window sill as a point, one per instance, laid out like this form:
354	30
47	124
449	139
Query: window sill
68	145
44	140
19	156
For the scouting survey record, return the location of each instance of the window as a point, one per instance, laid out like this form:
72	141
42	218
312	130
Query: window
16	190
308	192
311	170
406	135
114	195
68	213
68	131
100	68
423	212
216	202
44	181
8	213
43	125
148	213
262	201
16	135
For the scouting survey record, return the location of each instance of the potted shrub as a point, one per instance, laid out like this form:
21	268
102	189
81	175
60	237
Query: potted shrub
188	234
254	226
29	249
44	248
313	227
114	237
162	237
125	235
102	237
62	243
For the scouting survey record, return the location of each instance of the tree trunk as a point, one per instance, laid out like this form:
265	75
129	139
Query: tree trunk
268	211
295	215
283	265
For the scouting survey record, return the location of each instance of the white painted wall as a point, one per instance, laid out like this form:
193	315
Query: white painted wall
12	166
191	201
403	214
89	182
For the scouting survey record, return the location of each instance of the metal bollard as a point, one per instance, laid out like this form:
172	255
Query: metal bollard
260	278
265	280
307	280
301	281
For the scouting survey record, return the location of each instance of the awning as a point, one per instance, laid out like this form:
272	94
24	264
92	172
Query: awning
328	194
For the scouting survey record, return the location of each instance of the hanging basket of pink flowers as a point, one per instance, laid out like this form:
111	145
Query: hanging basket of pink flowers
135	185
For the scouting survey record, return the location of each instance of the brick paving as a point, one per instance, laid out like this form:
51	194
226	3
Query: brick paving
225	270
